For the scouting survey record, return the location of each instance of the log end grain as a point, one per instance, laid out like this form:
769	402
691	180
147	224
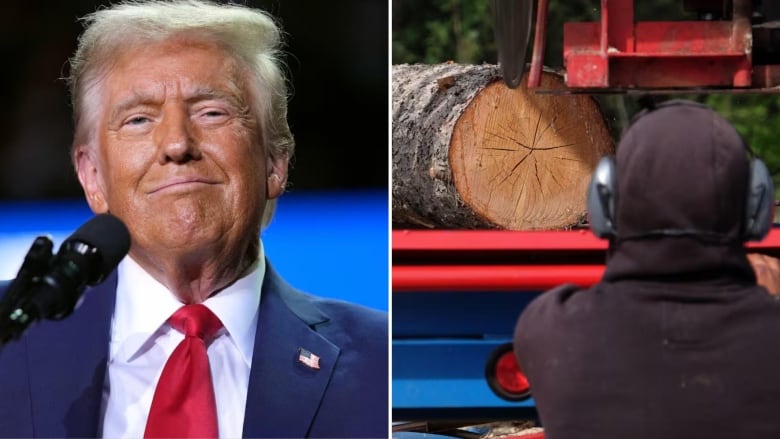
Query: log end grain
523	160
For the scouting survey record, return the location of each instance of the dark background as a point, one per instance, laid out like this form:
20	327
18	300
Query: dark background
337	59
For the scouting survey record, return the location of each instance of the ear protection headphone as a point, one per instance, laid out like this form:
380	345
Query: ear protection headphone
602	190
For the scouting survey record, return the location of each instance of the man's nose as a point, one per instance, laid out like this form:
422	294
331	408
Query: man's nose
176	139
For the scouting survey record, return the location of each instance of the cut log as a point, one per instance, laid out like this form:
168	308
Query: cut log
469	152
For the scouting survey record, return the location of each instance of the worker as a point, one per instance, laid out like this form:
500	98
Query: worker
677	339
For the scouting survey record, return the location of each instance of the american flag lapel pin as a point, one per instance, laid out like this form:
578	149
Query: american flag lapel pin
308	359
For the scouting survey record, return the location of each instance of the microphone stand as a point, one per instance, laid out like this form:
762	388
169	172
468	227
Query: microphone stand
16	312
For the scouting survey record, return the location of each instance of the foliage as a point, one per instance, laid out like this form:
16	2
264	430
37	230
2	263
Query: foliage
757	118
442	30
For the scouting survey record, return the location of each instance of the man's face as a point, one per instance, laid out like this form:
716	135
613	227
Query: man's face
177	155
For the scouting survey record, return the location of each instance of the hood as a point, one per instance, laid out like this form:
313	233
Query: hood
682	183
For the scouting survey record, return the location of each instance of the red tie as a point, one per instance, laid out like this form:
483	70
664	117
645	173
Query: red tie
183	405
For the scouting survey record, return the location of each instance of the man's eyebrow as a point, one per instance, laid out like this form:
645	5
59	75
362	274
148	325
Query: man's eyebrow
204	93
133	100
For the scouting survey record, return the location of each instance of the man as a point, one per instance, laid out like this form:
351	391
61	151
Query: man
677	340
181	132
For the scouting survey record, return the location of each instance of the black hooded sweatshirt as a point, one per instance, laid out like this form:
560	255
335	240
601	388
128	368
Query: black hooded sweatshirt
676	340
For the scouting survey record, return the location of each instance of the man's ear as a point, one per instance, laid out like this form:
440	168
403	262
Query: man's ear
86	165
277	176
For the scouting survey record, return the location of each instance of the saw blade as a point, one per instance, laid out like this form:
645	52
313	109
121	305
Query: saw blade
512	22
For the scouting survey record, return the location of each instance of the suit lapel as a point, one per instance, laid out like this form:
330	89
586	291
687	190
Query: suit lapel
67	366
284	393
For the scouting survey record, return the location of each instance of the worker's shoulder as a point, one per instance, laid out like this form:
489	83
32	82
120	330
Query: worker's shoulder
556	297
550	304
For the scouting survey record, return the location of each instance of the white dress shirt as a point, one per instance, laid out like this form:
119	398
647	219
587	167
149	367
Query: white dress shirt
142	341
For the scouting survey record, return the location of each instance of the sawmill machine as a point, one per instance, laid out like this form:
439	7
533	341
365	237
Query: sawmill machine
732	46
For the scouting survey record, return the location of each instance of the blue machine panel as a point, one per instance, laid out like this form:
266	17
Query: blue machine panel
458	314
442	373
442	342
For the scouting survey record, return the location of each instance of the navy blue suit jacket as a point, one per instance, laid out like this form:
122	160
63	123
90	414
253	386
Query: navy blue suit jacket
51	379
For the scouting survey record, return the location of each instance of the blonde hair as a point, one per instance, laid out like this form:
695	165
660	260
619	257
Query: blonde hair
251	36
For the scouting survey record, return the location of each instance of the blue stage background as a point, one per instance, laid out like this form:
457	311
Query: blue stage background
329	243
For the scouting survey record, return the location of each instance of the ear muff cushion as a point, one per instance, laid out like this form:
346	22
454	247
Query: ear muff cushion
759	212
601	198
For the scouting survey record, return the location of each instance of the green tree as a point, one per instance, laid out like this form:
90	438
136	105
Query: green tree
757	118
442	30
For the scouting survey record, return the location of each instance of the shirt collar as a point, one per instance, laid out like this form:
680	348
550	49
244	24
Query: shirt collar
143	305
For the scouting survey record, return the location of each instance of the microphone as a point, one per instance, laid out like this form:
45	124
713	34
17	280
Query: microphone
50	287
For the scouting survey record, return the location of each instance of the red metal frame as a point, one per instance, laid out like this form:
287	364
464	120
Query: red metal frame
491	277
521	241
474	240
619	53
468	274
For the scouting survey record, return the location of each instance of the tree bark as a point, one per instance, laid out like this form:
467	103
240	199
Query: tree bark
469	152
